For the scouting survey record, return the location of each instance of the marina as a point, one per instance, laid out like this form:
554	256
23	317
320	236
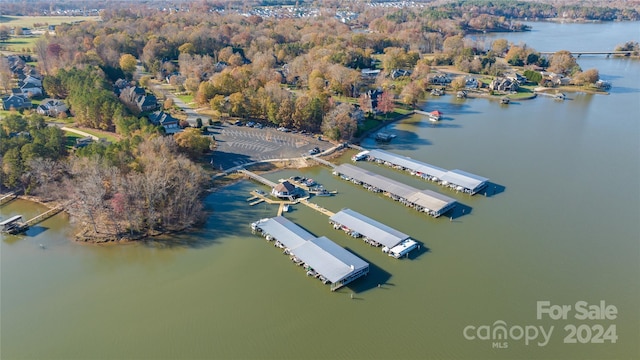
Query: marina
320	257
426	201
371	231
457	180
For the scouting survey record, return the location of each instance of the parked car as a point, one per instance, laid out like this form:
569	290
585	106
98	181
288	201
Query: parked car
259	126
250	124
314	151
238	123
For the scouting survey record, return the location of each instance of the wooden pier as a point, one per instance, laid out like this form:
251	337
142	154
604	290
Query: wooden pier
19	227
316	207
258	198
322	161
8	197
257	178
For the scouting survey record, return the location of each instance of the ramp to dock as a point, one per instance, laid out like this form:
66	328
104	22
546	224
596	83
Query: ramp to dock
322	161
8	197
257	178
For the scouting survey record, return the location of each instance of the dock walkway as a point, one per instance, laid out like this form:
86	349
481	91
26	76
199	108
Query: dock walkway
322	161
257	178
8	197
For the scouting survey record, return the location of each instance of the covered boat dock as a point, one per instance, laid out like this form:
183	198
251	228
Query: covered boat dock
372	231
321	257
426	201
456	179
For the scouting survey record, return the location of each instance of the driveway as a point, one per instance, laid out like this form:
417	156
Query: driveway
239	145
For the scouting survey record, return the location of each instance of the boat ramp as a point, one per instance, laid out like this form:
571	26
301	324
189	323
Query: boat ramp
426	201
319	256
455	179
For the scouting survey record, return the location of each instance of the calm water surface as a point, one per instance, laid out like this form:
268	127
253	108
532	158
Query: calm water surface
564	227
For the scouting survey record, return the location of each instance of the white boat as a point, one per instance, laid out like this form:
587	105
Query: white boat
360	156
402	249
285	208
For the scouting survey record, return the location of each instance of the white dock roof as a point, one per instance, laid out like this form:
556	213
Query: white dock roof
282	229
11	220
408	163
426	198
329	259
464	179
370	228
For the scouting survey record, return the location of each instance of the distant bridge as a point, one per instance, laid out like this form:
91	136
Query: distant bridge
580	53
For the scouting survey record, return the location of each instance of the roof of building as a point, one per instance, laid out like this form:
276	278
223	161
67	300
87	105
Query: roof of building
408	163
329	259
463	178
285	231
425	198
370	228
285	186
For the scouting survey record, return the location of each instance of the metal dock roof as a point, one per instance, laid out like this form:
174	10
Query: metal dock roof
426	198
370	228
408	163
285	231
458	177
464	179
11	220
329	259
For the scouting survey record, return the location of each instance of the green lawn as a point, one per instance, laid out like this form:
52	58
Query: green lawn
19	44
101	134
71	139
187	98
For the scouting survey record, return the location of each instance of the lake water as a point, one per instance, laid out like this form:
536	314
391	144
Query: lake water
565	229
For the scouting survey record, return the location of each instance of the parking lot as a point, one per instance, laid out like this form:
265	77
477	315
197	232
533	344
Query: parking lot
239	145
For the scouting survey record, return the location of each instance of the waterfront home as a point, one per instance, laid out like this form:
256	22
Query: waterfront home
284	190
504	84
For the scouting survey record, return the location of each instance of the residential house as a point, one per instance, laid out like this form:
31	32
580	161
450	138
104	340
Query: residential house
30	89
504	85
369	73
170	124
441	79
471	83
137	98
16	102
52	107
32	79
147	102
284	190
400	73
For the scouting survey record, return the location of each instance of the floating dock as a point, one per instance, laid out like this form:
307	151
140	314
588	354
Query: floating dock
426	201
321	257
455	179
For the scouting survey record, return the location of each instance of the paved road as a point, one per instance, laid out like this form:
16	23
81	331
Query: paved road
239	145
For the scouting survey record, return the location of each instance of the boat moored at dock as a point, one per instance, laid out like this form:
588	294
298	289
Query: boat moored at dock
402	249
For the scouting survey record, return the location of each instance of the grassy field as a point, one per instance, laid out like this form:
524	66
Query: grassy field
71	139
43	21
101	134
19	44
